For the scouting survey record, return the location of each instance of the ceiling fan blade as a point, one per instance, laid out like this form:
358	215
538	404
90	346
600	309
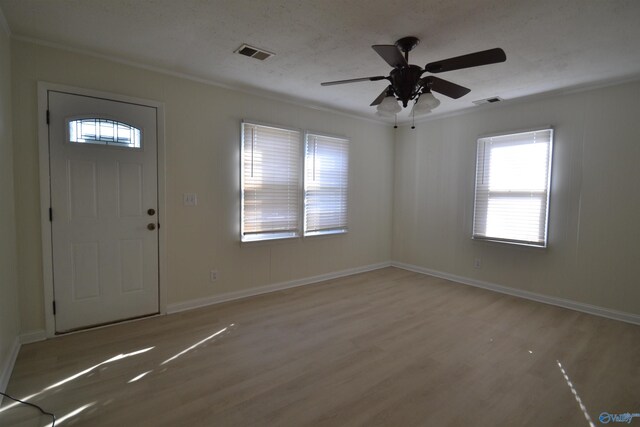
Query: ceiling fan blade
445	87
391	54
380	97
361	79
485	57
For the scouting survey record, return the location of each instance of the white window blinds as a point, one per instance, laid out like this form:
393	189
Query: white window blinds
325	184
270	182
513	174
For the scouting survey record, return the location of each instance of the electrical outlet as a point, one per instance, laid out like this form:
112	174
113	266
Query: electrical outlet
213	275
190	199
477	263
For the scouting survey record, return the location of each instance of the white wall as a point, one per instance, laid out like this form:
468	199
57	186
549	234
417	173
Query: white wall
8	281
594	231
202	139
593	252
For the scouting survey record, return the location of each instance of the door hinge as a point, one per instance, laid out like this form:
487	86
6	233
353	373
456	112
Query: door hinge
54	308
48	117
50	215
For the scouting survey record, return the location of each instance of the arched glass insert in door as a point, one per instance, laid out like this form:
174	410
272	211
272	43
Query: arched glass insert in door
103	132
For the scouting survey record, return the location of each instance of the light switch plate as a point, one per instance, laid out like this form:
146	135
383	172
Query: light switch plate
190	199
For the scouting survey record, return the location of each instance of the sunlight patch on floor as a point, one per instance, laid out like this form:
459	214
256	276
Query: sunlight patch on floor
136	378
576	395
86	371
74	376
186	350
71	414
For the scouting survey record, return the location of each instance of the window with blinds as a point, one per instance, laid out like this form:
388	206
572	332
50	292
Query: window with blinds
326	176
513	174
271	183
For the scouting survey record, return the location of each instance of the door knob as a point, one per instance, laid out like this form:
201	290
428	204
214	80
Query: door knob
151	226
151	212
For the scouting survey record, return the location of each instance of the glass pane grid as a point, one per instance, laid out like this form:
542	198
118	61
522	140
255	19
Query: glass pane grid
103	132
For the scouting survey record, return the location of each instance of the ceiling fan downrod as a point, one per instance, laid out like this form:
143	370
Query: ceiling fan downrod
406	45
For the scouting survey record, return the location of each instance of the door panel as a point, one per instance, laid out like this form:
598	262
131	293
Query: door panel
105	259
84	271
82	189
131	261
130	189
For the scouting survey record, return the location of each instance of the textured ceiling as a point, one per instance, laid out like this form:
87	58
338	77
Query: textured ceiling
550	44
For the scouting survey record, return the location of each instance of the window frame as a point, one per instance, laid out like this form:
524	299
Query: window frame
545	214
300	231
326	232
271	236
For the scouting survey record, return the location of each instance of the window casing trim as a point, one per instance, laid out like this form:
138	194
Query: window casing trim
256	238
547	211
327	232
516	132
332	230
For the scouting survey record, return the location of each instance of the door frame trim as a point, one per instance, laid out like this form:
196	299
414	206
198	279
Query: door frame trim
45	191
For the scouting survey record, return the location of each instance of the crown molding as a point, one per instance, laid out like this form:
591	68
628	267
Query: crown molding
186	76
319	107
586	87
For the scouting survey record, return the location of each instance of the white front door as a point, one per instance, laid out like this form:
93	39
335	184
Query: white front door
104	201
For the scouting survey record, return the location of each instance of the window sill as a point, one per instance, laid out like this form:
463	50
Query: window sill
325	233
268	238
510	242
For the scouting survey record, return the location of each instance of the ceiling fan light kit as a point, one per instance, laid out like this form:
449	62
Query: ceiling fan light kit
389	106
425	103
408	84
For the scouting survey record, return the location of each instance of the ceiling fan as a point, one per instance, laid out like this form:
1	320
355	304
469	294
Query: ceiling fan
407	82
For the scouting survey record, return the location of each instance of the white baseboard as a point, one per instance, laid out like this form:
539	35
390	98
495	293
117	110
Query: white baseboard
33	336
229	296
7	366
9	363
560	302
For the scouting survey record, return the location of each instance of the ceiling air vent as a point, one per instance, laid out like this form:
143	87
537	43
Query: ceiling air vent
491	100
253	52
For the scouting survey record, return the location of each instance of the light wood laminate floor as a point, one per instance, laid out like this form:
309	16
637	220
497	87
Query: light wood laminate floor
383	348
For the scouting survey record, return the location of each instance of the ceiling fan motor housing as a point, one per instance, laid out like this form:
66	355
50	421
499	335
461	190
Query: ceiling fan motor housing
405	82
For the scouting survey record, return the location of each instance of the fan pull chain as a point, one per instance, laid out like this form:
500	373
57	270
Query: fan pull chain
413	119
395	123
